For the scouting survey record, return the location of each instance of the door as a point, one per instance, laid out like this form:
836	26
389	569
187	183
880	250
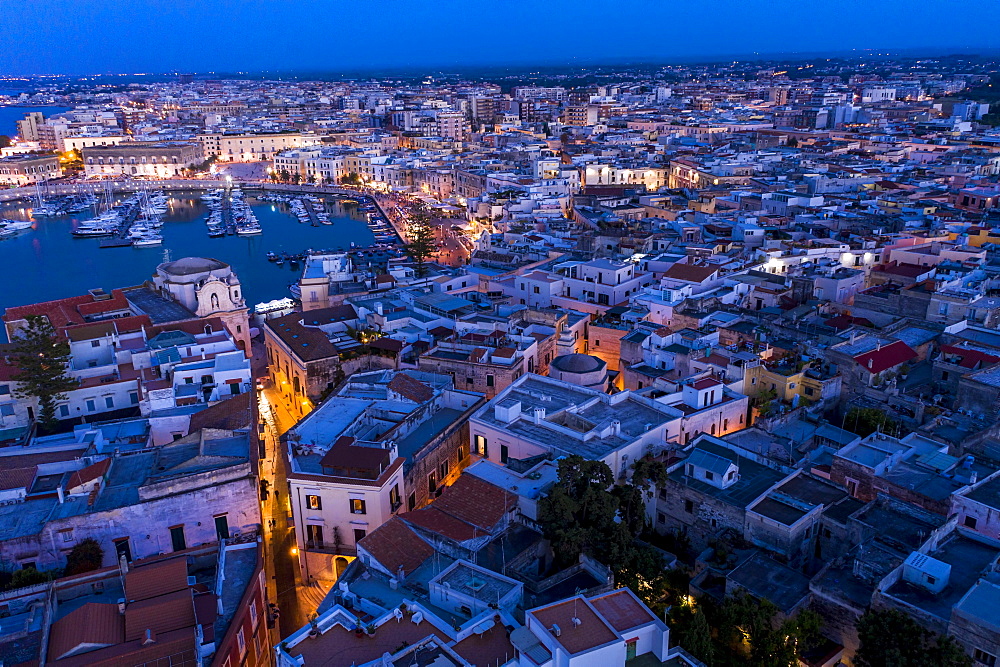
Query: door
177	538
222	527
122	548
630	649
359	535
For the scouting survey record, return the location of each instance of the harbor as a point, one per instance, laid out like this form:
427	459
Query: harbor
51	261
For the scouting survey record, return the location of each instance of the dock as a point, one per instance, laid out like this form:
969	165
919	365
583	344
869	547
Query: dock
311	211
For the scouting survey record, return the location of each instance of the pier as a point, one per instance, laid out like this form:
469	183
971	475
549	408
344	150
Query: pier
308	205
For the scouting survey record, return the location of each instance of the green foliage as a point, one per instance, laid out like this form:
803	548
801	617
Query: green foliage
351	179
4	141
696	638
865	421
586	513
792	142
422	244
85	556
890	637
42	357
647	474
28	577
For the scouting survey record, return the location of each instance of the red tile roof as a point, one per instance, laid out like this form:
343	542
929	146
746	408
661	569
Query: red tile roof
411	388
91	626
396	547
72	310
157	578
967	358
841	322
887	357
690	273
160	614
88	474
17	478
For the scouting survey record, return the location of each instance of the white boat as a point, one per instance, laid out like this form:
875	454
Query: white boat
148	240
11	226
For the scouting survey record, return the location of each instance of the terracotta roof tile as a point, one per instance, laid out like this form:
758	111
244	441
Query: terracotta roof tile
93	625
88	474
158	578
397	547
885	358
690	273
164	613
410	388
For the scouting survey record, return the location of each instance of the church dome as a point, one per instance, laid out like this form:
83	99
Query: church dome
578	363
187	266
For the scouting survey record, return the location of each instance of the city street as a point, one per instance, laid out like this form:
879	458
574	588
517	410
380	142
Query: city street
295	601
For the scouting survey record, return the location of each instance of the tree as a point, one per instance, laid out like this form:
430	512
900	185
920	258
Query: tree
865	421
42	358
586	513
792	142
891	637
351	179
285	175
422	244
697	638
4	141
85	556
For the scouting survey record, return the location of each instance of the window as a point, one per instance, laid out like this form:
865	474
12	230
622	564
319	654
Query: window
4	389
432	482
444	468
314	502
359	534
809	391
67	535
7	410
481	446
504	454
109	401
133	397
970	522
709	475
95	343
663	493
357	506
222	526
490	381
983	658
689	507
91	405
177	538
661	517
253	613
241	641
314	536
411	502
394	498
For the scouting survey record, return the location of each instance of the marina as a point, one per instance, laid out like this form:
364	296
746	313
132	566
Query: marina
50	259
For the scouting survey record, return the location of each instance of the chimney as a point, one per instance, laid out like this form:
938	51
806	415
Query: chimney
555	630
148	638
878	346
539	415
121	605
870	362
60	493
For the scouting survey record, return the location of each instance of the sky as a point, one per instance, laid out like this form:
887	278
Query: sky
161	36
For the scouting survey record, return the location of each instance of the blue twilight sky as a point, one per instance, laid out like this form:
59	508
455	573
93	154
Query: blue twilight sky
119	36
